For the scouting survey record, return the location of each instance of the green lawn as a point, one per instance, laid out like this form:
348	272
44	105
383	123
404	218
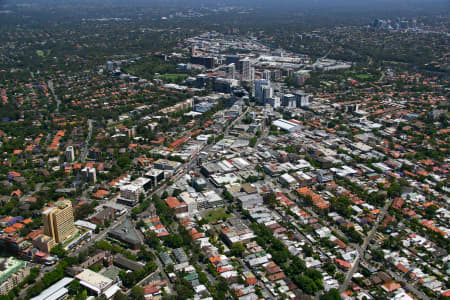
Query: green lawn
40	53
364	76
173	77
215	215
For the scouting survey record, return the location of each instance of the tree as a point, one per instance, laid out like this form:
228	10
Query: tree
270	199
124	162
120	296
81	296
184	289
306	284
237	249
152	240
59	251
394	190
75	287
137	293
332	294
174	241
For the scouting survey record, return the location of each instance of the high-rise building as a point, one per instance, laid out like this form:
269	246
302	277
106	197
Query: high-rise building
274	102
302	99
245	69
70	154
89	174
259	84
58	221
230	70
289	101
267	93
266	74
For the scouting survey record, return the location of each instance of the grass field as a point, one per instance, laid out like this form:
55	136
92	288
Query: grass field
40	53
173	77
364	76
215	215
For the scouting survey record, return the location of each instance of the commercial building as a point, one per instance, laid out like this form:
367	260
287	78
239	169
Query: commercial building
287	125
59	221
155	176
190	202
12	272
250	201
44	243
289	101
56	291
129	194
167	165
245	69
302	99
208	62
97	283
260	84
127	233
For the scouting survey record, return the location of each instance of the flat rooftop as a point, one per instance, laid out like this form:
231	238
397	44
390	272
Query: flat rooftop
9	266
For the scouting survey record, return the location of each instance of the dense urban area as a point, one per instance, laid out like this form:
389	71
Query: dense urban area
153	150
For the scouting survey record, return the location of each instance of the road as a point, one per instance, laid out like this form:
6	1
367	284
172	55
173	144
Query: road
52	89
227	129
98	237
419	294
84	153
362	250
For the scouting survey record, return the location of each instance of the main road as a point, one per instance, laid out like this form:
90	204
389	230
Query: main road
84	153
362	250
52	89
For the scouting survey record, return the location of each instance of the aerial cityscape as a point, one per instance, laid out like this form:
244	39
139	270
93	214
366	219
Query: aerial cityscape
194	149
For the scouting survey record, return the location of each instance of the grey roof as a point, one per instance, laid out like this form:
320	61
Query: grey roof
126	232
124	262
165	258
180	255
55	291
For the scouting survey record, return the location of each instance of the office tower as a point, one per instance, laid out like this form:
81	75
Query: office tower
58	221
259	84
302	99
289	101
267	93
274	102
244	67
230	71
70	154
266	74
